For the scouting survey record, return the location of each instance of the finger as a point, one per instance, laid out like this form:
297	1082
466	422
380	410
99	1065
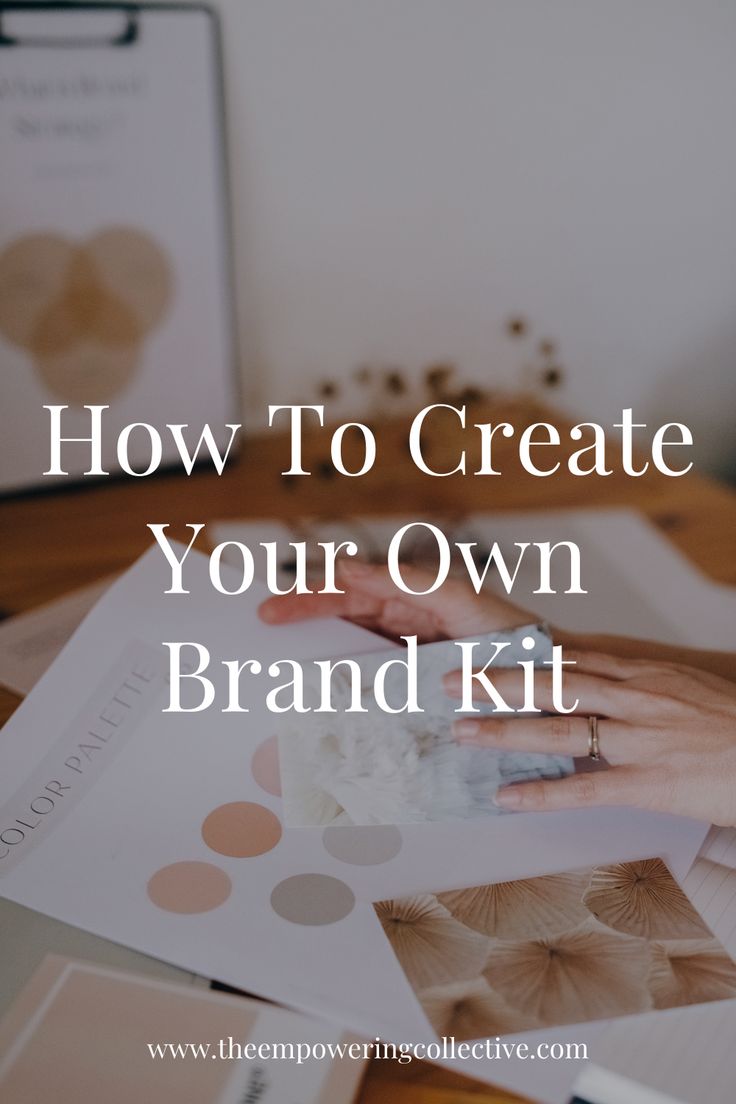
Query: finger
608	666
592	694
353	602
454	606
660	678
355	599
399	619
652	673
619	667
548	735
620	786
283	609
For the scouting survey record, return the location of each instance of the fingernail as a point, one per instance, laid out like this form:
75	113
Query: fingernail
267	613
507	798
465	729
355	568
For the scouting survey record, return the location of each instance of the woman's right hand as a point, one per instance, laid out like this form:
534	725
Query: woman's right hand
373	600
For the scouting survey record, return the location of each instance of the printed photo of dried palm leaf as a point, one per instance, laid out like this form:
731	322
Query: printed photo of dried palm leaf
583	945
691	971
471	1009
524	909
589	973
642	898
431	946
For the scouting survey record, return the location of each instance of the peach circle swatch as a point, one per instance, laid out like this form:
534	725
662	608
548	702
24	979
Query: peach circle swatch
241	830
362	845
265	766
189	887
312	899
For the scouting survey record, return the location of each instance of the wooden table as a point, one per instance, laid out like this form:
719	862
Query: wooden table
57	541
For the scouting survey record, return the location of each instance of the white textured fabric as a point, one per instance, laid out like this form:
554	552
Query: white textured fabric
379	768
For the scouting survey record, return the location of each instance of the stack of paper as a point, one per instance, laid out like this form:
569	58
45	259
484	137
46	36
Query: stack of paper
685	1055
166	832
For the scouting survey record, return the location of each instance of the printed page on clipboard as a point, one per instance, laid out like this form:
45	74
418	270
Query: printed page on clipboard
115	285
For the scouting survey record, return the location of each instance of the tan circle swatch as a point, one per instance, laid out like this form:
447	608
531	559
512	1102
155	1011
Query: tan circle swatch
131	267
33	273
83	310
88	373
265	766
362	845
312	899
241	830
189	887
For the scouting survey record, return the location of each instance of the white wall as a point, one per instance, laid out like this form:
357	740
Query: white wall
407	173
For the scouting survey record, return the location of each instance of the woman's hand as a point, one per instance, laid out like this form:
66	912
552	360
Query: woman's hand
373	600
667	732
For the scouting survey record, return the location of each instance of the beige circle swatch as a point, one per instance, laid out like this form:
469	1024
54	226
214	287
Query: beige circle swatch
189	887
83	310
133	269
265	766
241	830
312	899
33	274
362	845
88	373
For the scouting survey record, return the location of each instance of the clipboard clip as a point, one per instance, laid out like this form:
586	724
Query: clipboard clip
107	25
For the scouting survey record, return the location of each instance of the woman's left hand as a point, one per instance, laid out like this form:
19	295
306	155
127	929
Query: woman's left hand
666	731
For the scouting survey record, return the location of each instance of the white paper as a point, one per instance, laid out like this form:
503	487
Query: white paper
30	642
374	767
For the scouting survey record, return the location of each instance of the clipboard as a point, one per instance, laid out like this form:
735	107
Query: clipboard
115	270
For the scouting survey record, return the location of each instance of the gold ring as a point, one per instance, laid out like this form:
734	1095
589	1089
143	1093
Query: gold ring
594	747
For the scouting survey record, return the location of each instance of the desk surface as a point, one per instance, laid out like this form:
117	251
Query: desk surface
65	539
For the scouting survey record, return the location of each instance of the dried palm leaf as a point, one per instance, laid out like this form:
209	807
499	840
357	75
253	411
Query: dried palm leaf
691	971
584	974
526	909
642	898
431	946
472	1010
